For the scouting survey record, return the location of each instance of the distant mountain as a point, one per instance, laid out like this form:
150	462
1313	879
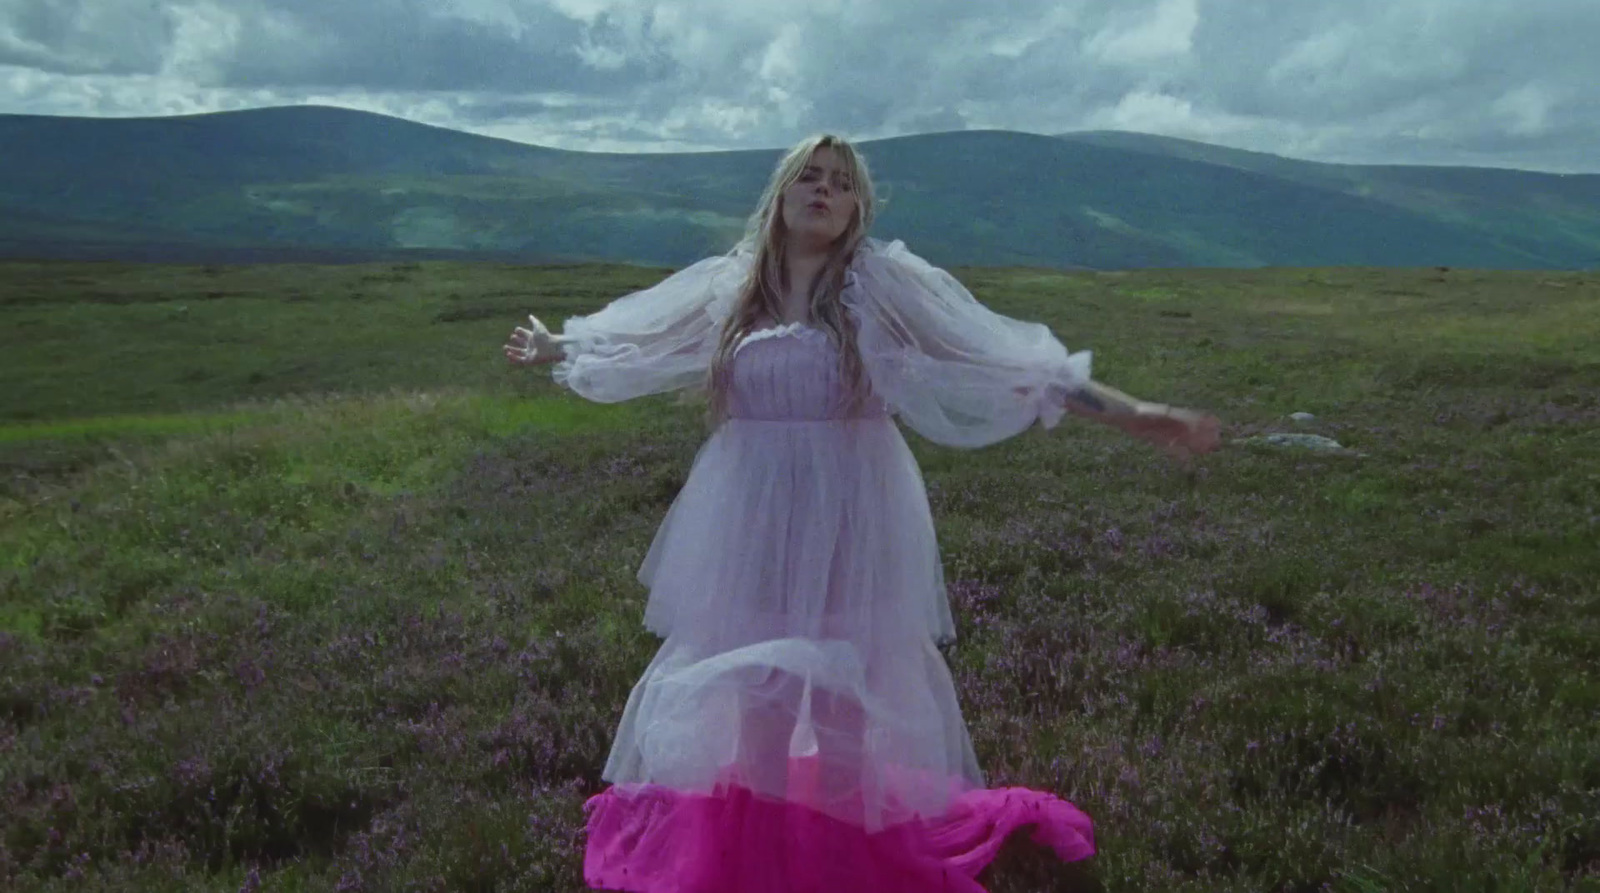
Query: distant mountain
1545	215
332	184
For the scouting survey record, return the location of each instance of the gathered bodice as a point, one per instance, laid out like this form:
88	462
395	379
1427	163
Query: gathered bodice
791	373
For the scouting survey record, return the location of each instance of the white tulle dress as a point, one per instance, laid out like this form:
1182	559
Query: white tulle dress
797	584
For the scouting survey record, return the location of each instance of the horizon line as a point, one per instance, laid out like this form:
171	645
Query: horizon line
1059	135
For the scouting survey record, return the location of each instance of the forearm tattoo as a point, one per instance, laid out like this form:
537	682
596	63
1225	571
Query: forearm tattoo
1086	399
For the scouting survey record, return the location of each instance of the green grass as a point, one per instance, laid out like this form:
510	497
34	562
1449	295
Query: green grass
369	619
95	339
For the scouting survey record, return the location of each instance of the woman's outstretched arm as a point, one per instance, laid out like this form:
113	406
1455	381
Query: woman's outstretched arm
963	375
651	341
1181	432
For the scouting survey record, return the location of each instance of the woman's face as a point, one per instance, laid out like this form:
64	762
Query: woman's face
818	207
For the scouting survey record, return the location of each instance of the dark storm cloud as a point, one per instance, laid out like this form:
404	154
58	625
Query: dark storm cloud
415	45
84	36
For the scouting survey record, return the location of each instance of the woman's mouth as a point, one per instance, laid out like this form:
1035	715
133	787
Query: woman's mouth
818	206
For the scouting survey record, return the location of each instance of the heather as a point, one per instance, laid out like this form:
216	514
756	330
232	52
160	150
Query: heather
302	589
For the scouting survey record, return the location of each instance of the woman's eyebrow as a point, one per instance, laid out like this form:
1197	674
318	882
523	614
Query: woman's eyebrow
811	168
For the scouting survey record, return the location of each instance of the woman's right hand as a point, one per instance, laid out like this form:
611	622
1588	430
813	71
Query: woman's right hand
531	346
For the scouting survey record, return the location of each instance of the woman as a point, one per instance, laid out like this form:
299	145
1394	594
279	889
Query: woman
798	728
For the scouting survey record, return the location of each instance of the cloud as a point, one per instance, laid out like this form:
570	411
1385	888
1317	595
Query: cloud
84	36
204	37
1148	36
1433	81
413	45
1526	109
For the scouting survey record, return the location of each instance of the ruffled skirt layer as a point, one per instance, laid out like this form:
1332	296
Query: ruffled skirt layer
651	839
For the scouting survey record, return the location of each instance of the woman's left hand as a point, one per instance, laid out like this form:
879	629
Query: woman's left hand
1181	433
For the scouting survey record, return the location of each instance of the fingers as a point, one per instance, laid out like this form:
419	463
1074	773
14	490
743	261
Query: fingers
519	353
535	327
522	337
1202	433
520	348
1195	434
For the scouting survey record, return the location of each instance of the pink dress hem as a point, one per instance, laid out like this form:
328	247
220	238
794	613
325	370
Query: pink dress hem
646	838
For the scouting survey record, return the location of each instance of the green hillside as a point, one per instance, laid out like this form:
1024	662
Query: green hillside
358	186
1542	214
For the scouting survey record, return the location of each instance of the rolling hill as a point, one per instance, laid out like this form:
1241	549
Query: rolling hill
333	184
1534	212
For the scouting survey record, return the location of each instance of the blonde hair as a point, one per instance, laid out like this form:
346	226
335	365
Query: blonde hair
759	296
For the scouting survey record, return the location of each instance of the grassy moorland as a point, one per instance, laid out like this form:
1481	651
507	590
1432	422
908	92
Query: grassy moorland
302	589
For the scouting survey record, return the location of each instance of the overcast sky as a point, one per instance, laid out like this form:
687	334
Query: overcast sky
1488	82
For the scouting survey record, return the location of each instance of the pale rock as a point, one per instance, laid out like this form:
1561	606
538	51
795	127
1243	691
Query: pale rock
1313	442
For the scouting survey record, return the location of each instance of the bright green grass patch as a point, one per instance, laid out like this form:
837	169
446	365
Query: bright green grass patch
129	426
95	340
213	496
491	414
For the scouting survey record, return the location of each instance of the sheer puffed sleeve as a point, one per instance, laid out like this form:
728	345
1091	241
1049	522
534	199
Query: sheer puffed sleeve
953	370
655	340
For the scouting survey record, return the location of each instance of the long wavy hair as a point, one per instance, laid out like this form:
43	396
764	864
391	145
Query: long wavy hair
759	298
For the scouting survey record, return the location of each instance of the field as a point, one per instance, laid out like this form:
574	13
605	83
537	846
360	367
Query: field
301	588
